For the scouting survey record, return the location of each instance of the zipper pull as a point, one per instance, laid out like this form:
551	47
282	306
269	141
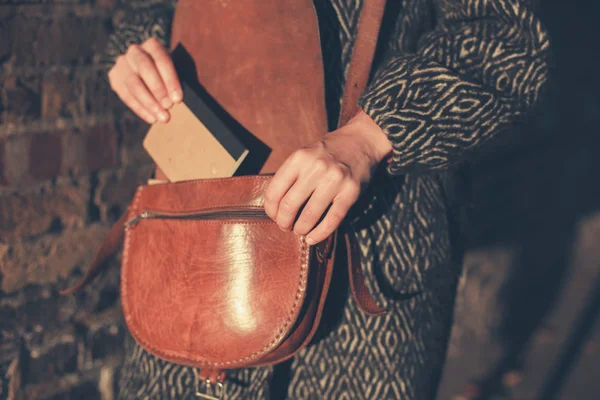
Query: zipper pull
134	220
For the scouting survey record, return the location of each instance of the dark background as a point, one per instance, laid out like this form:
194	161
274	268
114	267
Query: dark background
70	157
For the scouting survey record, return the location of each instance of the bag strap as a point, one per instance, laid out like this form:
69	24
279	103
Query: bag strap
109	247
356	81
361	60
361	63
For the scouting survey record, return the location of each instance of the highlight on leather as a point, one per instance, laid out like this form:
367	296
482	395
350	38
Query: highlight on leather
233	290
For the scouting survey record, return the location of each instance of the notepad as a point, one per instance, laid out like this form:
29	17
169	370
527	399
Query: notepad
195	143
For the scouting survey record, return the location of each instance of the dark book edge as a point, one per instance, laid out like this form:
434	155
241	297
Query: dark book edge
259	151
213	123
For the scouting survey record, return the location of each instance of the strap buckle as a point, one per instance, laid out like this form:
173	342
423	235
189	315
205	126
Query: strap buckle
205	389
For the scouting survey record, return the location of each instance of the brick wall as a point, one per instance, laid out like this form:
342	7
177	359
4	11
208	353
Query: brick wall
70	158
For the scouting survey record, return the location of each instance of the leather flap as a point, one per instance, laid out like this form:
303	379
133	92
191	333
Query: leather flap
232	290
261	60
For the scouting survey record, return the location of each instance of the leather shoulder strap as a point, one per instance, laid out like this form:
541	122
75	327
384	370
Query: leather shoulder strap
361	61
110	245
359	70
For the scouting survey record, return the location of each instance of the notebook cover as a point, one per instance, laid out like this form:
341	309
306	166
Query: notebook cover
195	143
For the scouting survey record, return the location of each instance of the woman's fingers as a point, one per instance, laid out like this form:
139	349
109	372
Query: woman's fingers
336	214
166	69
309	177
280	184
134	105
146	84
146	80
293	200
118	77
327	189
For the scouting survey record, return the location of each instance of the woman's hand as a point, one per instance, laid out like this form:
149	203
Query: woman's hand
329	174
145	79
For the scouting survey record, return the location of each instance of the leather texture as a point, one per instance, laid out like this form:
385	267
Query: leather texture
232	290
265	68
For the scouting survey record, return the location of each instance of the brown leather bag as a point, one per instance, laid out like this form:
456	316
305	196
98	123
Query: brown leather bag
208	280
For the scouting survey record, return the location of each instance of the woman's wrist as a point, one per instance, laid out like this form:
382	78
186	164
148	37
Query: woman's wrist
381	145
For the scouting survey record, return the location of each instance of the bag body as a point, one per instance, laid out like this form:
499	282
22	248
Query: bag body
208	280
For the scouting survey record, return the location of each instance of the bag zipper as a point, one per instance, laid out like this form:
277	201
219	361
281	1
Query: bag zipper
218	213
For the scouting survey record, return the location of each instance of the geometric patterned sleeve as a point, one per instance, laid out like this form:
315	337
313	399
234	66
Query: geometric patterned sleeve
135	23
480	69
